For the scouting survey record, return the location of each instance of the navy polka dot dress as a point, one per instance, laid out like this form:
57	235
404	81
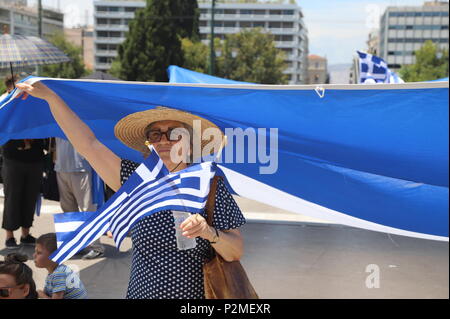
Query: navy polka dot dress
158	269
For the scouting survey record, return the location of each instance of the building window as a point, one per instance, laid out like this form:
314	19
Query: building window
275	12
288	12
246	11
245	24
230	11
274	25
259	24
229	24
259	12
102	21
287	38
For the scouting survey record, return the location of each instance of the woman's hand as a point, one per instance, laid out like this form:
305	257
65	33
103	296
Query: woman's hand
38	90
196	226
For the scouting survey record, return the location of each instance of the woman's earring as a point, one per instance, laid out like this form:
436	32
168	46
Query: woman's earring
147	143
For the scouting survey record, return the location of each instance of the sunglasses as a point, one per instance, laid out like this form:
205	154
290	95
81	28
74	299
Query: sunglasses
4	292
172	134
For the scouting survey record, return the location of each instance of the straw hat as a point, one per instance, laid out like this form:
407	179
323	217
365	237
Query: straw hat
130	130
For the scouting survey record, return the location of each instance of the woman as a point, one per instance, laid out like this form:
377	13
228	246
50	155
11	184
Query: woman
23	165
159	269
16	278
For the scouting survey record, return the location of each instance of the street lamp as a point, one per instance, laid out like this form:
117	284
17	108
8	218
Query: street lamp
211	41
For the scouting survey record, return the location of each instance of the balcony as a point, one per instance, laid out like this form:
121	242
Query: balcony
106	53
110	40
252	17
104	14
111	27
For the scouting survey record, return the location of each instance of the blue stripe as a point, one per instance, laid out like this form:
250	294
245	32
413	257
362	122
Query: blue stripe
129	215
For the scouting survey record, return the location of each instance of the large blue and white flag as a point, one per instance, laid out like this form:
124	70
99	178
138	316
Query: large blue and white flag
373	69
150	189
368	156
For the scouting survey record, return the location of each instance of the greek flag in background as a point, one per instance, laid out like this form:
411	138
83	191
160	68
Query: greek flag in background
373	69
150	189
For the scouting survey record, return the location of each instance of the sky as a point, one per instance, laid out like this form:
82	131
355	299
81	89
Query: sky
336	28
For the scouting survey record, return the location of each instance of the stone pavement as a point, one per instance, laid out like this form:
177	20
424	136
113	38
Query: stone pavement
290	256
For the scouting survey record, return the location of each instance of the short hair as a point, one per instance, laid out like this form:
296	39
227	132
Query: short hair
14	265
10	80
48	241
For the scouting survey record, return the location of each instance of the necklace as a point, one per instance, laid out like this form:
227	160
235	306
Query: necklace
176	166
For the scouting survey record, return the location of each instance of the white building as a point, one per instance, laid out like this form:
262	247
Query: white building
403	30
20	19
285	21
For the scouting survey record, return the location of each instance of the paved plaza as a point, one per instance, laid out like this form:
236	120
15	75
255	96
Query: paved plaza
290	256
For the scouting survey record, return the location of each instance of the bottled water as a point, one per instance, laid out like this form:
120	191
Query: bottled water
183	242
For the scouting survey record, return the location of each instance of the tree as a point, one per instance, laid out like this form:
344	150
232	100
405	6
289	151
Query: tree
196	55
248	56
431	64
153	41
251	56
69	70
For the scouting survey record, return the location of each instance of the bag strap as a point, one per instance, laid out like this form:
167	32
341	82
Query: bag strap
211	201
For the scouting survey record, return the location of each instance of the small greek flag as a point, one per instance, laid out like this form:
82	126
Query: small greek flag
150	189
373	69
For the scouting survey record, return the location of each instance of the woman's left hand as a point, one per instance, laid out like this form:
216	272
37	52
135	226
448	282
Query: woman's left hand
196	226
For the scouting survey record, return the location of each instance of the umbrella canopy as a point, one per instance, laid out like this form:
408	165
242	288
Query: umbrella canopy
21	51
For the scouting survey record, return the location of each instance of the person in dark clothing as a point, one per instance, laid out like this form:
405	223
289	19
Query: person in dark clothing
23	162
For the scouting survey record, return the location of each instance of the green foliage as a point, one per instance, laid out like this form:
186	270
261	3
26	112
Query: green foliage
248	56
153	41
69	70
431	64
251	56
2	87
196	55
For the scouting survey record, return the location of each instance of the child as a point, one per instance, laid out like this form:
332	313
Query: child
16	278
61	281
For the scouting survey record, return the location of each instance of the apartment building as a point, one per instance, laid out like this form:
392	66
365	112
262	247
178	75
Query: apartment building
403	30
317	70
284	21
20	19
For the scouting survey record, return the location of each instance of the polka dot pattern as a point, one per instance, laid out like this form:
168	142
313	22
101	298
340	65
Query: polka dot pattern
158	269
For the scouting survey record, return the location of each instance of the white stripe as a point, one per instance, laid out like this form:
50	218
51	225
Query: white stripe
67	226
121	218
312	87
89	229
186	203
255	190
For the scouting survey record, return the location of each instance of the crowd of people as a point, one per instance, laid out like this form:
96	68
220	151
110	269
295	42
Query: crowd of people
22	176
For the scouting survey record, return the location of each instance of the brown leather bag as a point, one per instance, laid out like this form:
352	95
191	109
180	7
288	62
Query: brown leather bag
222	279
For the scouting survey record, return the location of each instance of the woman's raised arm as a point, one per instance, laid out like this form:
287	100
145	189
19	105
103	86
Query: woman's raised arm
101	158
